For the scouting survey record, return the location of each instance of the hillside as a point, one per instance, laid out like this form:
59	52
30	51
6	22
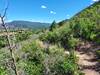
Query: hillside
28	24
81	33
85	24
91	13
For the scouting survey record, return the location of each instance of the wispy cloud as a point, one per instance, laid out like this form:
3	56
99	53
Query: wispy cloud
95	0
43	6
9	20
52	12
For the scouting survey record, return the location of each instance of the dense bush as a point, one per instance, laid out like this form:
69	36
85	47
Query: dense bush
2	71
39	61
68	66
63	36
22	35
34	56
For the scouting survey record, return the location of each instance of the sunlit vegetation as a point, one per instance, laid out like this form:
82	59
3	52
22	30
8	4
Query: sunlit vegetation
80	26
40	60
19	36
53	52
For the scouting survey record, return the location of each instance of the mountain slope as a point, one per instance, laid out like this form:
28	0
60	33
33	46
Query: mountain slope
92	13
87	20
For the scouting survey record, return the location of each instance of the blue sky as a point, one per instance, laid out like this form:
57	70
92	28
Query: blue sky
44	10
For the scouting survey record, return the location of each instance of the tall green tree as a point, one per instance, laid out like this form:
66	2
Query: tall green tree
53	25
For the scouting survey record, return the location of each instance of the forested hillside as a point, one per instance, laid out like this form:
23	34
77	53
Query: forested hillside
27	24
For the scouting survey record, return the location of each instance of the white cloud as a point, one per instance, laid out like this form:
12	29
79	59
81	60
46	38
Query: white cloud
95	0
91	3
68	15
43	6
52	12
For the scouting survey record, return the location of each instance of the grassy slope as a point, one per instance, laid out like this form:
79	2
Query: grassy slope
89	17
92	13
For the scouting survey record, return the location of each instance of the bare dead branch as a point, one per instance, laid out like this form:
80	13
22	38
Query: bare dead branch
5	10
8	38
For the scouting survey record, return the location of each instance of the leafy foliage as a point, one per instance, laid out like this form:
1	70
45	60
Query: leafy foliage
2	41
39	61
2	71
22	35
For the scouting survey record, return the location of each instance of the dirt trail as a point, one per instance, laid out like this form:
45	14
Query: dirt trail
87	63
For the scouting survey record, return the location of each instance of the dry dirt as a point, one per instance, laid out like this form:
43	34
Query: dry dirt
87	62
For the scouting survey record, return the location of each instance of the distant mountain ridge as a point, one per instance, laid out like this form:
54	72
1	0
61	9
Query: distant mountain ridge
27	24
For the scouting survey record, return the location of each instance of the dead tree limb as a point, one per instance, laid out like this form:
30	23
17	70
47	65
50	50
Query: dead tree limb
8	39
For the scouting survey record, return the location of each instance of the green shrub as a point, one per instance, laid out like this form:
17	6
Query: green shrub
2	71
72	42
3	41
22	35
68	66
34	59
53	62
32	68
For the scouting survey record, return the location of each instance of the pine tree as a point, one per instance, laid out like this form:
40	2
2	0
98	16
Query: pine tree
53	25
